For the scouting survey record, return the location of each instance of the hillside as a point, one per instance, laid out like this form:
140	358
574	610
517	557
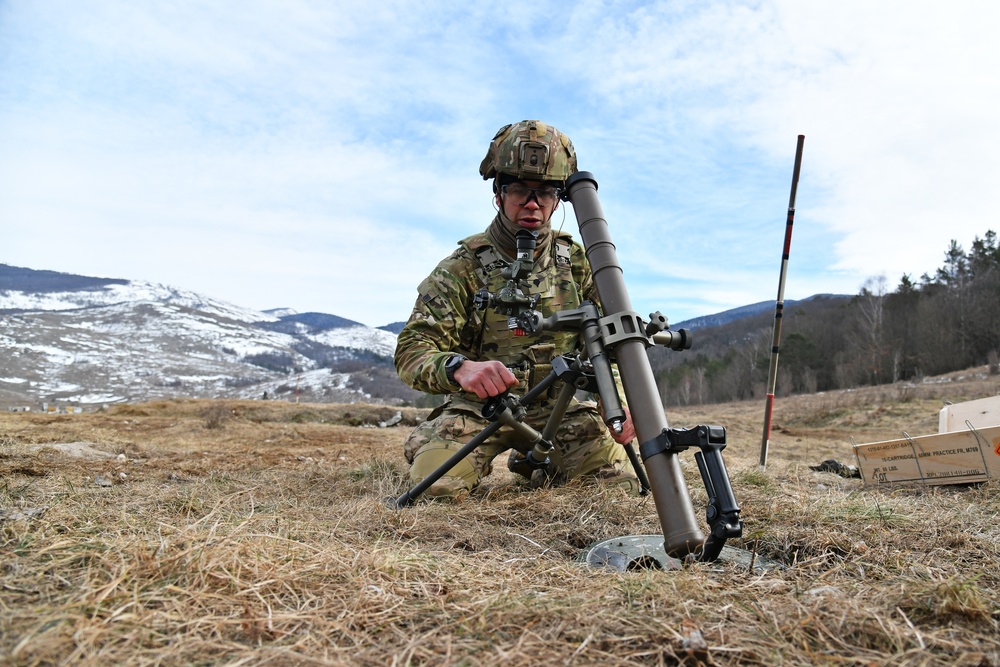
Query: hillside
204	532
74	341
71	342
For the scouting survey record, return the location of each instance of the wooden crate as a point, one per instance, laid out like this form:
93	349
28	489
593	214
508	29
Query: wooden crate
959	457
980	413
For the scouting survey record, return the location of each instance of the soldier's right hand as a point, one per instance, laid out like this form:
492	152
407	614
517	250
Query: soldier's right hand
485	378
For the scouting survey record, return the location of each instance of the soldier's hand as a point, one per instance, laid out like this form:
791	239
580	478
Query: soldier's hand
628	429
485	378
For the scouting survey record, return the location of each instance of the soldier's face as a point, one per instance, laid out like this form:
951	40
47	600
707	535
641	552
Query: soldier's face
531	214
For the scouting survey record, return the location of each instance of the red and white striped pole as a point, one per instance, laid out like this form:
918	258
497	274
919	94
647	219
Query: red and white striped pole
772	374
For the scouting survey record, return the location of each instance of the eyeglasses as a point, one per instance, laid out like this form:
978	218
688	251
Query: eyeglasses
522	194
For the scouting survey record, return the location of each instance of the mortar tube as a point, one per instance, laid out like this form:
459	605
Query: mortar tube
670	494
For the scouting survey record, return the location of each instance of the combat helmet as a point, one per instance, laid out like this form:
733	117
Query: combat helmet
531	151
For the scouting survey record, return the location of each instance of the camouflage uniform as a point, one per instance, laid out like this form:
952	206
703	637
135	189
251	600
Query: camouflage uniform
444	322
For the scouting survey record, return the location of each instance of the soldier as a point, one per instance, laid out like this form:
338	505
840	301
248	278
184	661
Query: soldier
450	347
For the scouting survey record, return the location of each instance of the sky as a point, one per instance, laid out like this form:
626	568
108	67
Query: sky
324	156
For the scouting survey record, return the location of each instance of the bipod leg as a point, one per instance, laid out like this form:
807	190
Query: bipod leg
572	375
496	411
640	471
568	369
542	453
556	417
407	498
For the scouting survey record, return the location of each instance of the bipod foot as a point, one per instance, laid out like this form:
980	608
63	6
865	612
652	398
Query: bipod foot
399	503
539	473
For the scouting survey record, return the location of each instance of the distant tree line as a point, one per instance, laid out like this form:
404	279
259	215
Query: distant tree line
943	322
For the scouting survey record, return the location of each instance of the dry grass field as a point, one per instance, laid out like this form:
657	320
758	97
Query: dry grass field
255	533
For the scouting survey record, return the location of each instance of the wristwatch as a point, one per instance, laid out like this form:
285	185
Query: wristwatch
452	365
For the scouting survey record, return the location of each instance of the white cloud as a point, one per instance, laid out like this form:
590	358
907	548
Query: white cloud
324	155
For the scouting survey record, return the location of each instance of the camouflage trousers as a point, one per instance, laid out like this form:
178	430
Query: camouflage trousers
583	447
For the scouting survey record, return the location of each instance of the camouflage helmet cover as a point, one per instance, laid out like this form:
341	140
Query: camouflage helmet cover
531	151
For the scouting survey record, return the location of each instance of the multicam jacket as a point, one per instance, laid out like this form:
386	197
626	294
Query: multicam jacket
445	321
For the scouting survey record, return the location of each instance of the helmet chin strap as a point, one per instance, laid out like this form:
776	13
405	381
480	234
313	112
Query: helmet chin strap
561	222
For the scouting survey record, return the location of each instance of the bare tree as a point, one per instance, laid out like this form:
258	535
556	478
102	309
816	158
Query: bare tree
753	355
871	330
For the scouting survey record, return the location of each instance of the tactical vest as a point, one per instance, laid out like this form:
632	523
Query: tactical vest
487	332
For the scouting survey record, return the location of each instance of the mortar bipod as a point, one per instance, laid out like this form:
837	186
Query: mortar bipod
507	409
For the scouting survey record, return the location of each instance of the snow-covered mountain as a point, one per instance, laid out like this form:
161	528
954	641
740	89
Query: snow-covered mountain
80	340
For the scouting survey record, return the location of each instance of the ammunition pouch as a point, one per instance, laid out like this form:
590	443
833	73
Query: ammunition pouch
529	374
